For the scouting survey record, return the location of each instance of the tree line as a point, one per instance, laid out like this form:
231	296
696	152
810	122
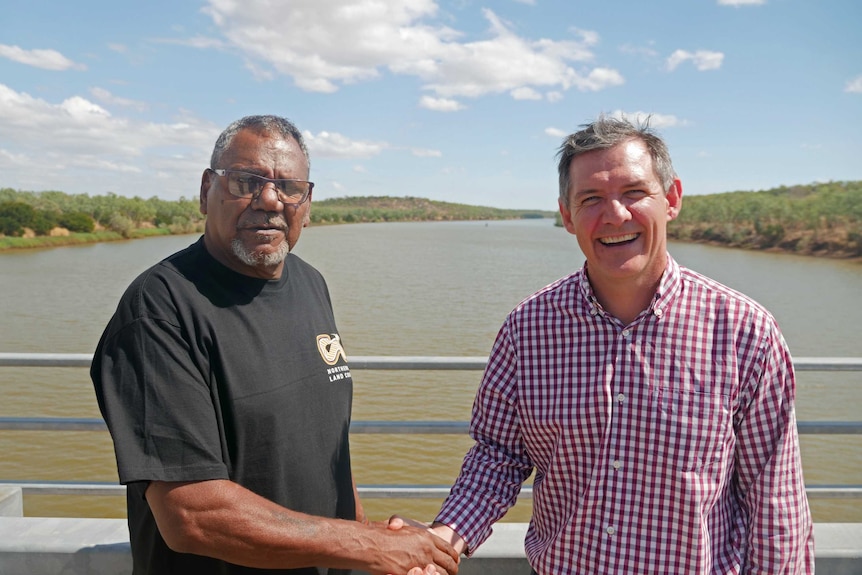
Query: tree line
42	212
98	218
819	218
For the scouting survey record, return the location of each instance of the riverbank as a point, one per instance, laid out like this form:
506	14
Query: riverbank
834	245
75	239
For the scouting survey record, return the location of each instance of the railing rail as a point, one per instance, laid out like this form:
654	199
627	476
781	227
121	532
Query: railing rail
396	362
825	364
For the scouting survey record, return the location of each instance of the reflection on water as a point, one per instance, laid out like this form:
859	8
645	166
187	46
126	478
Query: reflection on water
400	289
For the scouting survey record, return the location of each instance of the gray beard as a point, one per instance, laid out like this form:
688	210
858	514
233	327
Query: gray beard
260	260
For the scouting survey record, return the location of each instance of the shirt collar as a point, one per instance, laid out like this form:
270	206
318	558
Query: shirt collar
668	288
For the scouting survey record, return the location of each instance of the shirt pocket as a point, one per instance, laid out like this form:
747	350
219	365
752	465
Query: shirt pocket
692	430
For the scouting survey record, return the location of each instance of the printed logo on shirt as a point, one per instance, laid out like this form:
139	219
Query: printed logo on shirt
329	346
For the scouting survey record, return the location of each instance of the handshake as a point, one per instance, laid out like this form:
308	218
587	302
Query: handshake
423	549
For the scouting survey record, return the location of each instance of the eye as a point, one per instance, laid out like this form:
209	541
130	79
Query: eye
589	200
637	194
248	183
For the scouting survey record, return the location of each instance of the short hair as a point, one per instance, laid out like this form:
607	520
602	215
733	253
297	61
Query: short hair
270	124
607	132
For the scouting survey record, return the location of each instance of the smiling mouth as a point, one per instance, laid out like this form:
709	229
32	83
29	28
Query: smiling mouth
616	240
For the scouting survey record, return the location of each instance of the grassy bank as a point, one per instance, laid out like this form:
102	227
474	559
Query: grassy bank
10	243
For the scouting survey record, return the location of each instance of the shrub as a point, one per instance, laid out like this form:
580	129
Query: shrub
77	222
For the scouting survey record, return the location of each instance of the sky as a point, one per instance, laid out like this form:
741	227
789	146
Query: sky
453	100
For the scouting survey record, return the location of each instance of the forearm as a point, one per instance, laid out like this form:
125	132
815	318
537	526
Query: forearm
224	520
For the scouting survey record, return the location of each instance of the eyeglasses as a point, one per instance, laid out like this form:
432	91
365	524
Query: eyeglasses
245	185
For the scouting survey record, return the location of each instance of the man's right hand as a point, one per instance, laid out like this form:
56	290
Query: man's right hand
408	549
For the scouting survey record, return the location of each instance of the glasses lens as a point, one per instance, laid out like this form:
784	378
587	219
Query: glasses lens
243	185
291	190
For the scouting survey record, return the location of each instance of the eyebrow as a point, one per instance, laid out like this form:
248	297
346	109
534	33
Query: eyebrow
640	184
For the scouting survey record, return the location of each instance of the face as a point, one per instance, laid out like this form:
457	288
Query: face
253	236
619	212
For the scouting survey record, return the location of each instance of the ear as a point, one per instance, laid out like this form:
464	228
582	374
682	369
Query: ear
206	183
674	200
566	217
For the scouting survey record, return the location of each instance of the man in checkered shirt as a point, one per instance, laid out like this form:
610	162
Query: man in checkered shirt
655	405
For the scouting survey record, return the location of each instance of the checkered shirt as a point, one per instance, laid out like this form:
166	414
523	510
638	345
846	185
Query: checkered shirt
666	446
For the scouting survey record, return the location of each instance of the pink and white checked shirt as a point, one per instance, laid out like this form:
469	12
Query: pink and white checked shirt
667	446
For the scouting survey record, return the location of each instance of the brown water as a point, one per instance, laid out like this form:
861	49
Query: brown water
399	289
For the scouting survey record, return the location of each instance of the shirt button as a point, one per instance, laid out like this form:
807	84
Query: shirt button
593	311
658	312
621	397
617	464
611	530
627	332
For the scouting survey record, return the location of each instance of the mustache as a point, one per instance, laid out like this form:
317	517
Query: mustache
267	221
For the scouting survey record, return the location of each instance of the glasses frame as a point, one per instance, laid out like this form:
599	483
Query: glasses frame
274	181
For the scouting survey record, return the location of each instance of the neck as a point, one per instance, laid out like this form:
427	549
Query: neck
624	300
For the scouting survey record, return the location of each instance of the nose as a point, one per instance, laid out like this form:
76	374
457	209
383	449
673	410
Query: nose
267	200
616	212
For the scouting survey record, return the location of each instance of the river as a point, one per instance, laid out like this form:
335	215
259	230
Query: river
435	288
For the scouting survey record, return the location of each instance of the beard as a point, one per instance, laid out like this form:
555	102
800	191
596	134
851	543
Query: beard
266	260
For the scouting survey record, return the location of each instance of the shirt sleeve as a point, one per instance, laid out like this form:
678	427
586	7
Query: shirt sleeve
497	465
157	404
768	467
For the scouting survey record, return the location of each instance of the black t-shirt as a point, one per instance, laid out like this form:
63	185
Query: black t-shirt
204	373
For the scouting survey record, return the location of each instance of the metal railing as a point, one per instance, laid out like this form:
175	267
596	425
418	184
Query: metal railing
828	364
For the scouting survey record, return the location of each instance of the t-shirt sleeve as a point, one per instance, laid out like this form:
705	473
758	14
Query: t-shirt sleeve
157	404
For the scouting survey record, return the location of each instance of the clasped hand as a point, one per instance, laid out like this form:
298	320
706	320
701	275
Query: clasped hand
397	522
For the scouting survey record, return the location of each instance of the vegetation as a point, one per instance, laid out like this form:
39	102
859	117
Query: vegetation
392	209
44	219
56	214
816	219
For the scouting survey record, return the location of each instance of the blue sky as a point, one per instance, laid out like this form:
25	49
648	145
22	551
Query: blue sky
453	100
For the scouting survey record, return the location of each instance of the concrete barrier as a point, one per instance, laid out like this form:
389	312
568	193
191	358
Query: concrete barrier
11	502
70	546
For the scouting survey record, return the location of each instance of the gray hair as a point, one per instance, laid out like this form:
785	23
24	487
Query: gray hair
607	132
270	124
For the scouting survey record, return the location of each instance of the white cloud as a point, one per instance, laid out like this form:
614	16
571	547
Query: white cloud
426	153
854	86
335	145
200	42
403	37
108	98
556	132
554	96
598	79
440	104
646	51
45	59
702	59
78	146
741	2
655	120
527	2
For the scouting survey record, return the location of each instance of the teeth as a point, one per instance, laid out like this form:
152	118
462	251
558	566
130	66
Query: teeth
618	239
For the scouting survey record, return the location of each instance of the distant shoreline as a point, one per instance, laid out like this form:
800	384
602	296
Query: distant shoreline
76	239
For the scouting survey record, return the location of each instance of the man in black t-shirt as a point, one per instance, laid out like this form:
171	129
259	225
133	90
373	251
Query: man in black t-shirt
228	395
